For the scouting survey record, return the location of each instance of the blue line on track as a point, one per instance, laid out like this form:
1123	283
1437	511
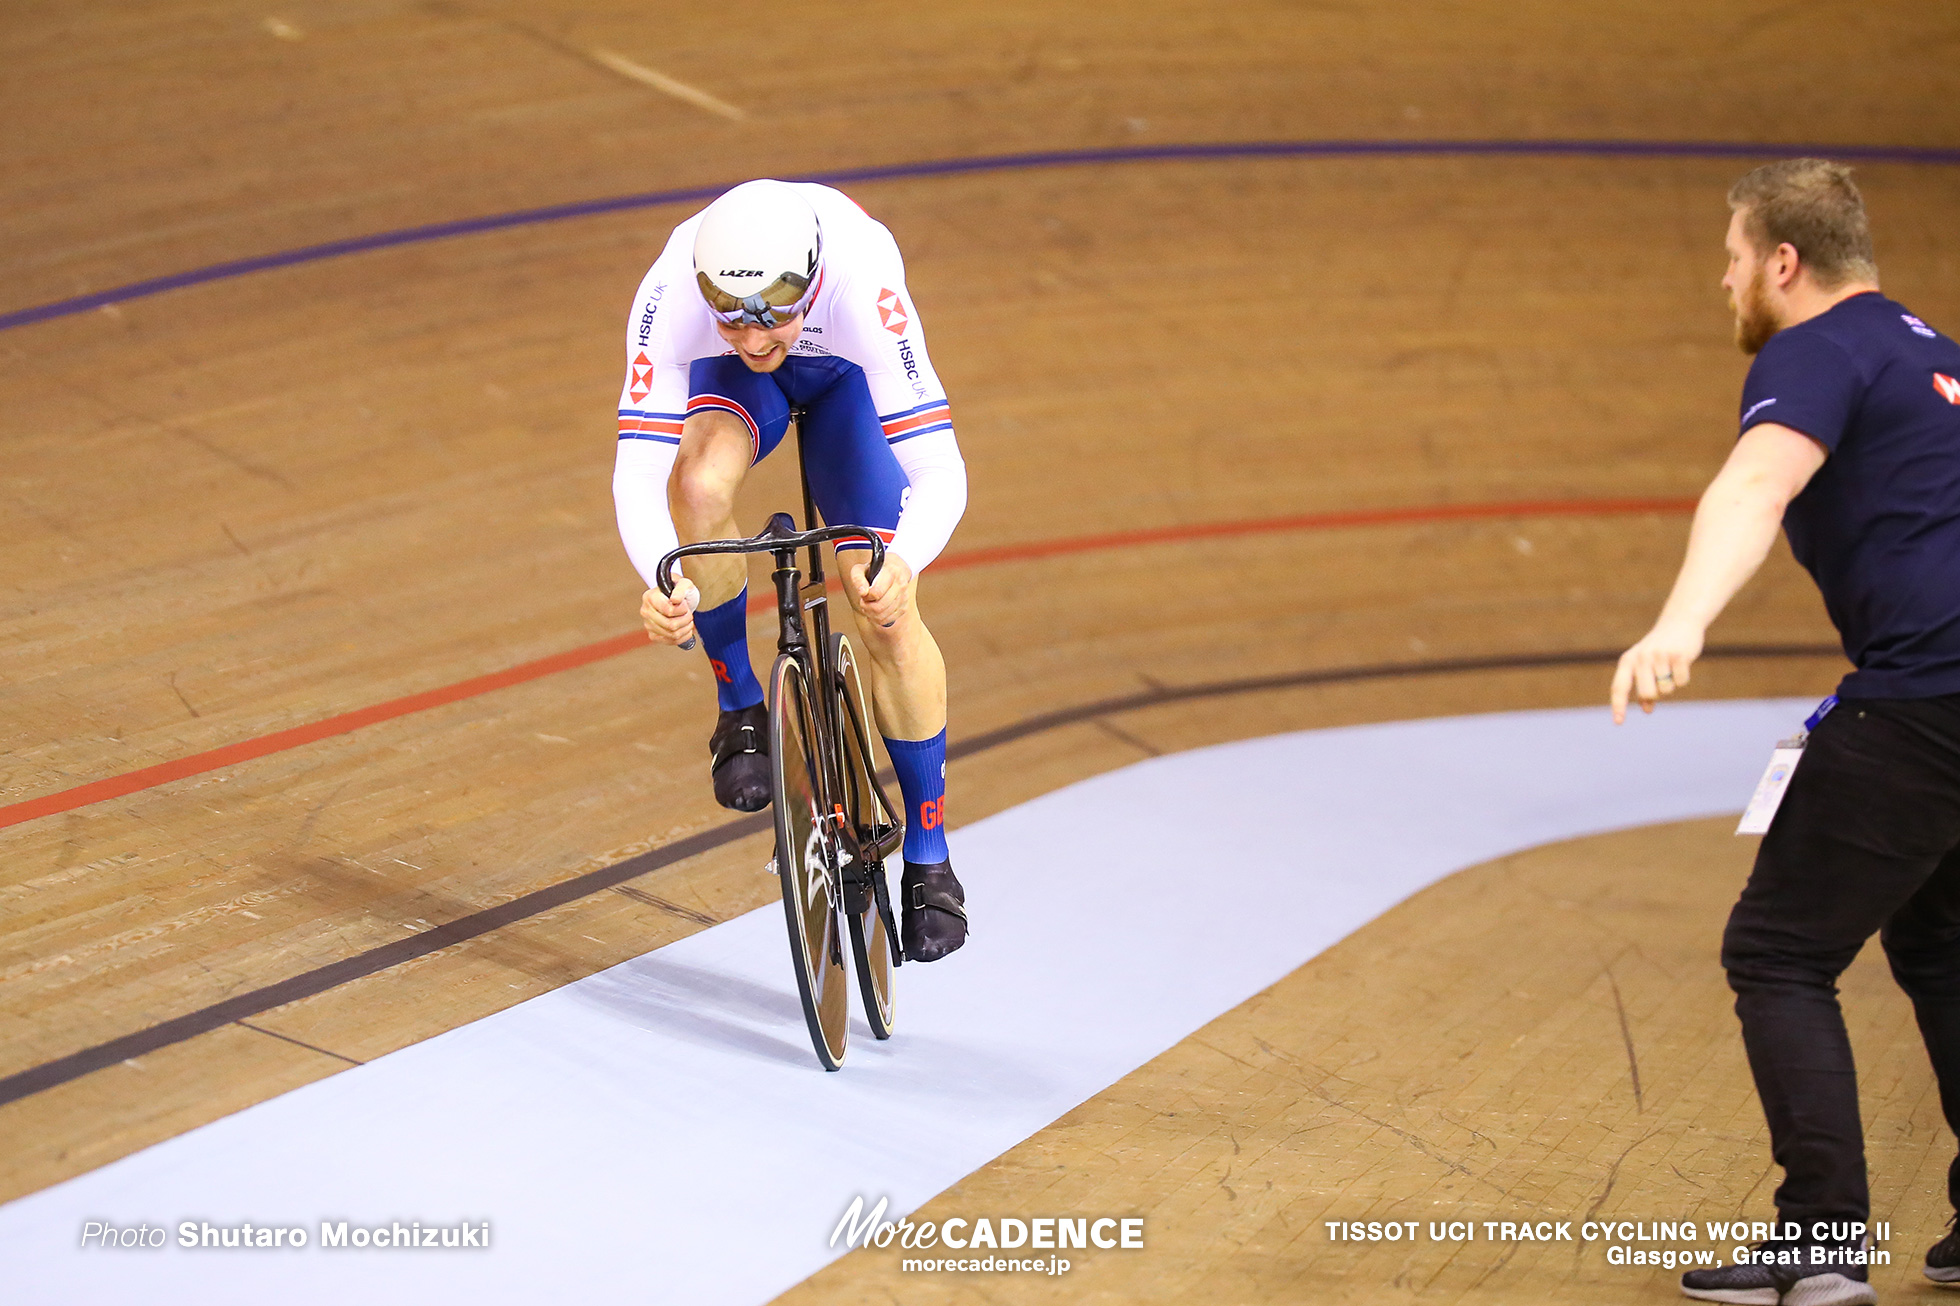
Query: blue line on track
985	163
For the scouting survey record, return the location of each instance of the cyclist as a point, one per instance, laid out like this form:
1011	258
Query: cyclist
782	295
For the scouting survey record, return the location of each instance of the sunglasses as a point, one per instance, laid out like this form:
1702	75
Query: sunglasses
782	300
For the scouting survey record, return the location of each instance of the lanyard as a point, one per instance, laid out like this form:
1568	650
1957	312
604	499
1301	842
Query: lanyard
1823	710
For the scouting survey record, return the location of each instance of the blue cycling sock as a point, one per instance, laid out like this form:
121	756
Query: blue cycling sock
724	635
921	767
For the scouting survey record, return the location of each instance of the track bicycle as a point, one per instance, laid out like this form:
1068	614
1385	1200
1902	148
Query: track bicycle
834	825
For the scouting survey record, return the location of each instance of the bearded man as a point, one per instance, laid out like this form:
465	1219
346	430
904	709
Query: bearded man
1851	441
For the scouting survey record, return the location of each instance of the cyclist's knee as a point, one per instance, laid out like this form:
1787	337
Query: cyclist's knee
706	475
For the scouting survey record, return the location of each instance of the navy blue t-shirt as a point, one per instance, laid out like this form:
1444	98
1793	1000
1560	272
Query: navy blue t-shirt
1878	527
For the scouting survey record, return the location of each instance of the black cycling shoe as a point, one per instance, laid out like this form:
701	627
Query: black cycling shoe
1798	1274
1943	1257
740	749
935	911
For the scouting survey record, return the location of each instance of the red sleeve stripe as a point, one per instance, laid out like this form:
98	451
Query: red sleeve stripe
912	422
648	426
883	534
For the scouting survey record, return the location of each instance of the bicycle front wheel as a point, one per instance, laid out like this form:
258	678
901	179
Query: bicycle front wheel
806	863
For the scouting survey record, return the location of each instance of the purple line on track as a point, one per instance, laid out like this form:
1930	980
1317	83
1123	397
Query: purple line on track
985	163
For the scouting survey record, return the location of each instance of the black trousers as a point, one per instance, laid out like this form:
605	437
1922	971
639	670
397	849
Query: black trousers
1867	840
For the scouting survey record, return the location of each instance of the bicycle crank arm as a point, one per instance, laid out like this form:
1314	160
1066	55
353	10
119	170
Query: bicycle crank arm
882	895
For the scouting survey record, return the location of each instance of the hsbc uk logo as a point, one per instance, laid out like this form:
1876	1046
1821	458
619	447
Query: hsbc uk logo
652	311
891	312
1948	387
642	379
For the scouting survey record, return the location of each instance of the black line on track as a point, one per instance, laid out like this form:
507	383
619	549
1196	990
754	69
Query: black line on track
305	985
1156	697
236	1010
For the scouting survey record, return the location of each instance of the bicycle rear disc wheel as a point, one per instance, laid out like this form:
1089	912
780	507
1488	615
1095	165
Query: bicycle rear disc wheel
874	827
803	855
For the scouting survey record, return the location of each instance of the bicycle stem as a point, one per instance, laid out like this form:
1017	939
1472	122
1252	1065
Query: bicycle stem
789	594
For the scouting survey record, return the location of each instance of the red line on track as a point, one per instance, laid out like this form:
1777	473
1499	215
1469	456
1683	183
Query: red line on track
149	777
1316	521
117	786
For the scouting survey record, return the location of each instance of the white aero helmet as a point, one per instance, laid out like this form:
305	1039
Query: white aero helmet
758	254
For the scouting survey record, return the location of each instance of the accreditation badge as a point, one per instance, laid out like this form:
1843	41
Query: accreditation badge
1776	776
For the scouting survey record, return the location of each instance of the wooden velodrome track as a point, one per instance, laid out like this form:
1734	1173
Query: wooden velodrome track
249	505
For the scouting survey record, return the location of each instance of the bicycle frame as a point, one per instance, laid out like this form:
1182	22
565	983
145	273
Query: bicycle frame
796	599
781	538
